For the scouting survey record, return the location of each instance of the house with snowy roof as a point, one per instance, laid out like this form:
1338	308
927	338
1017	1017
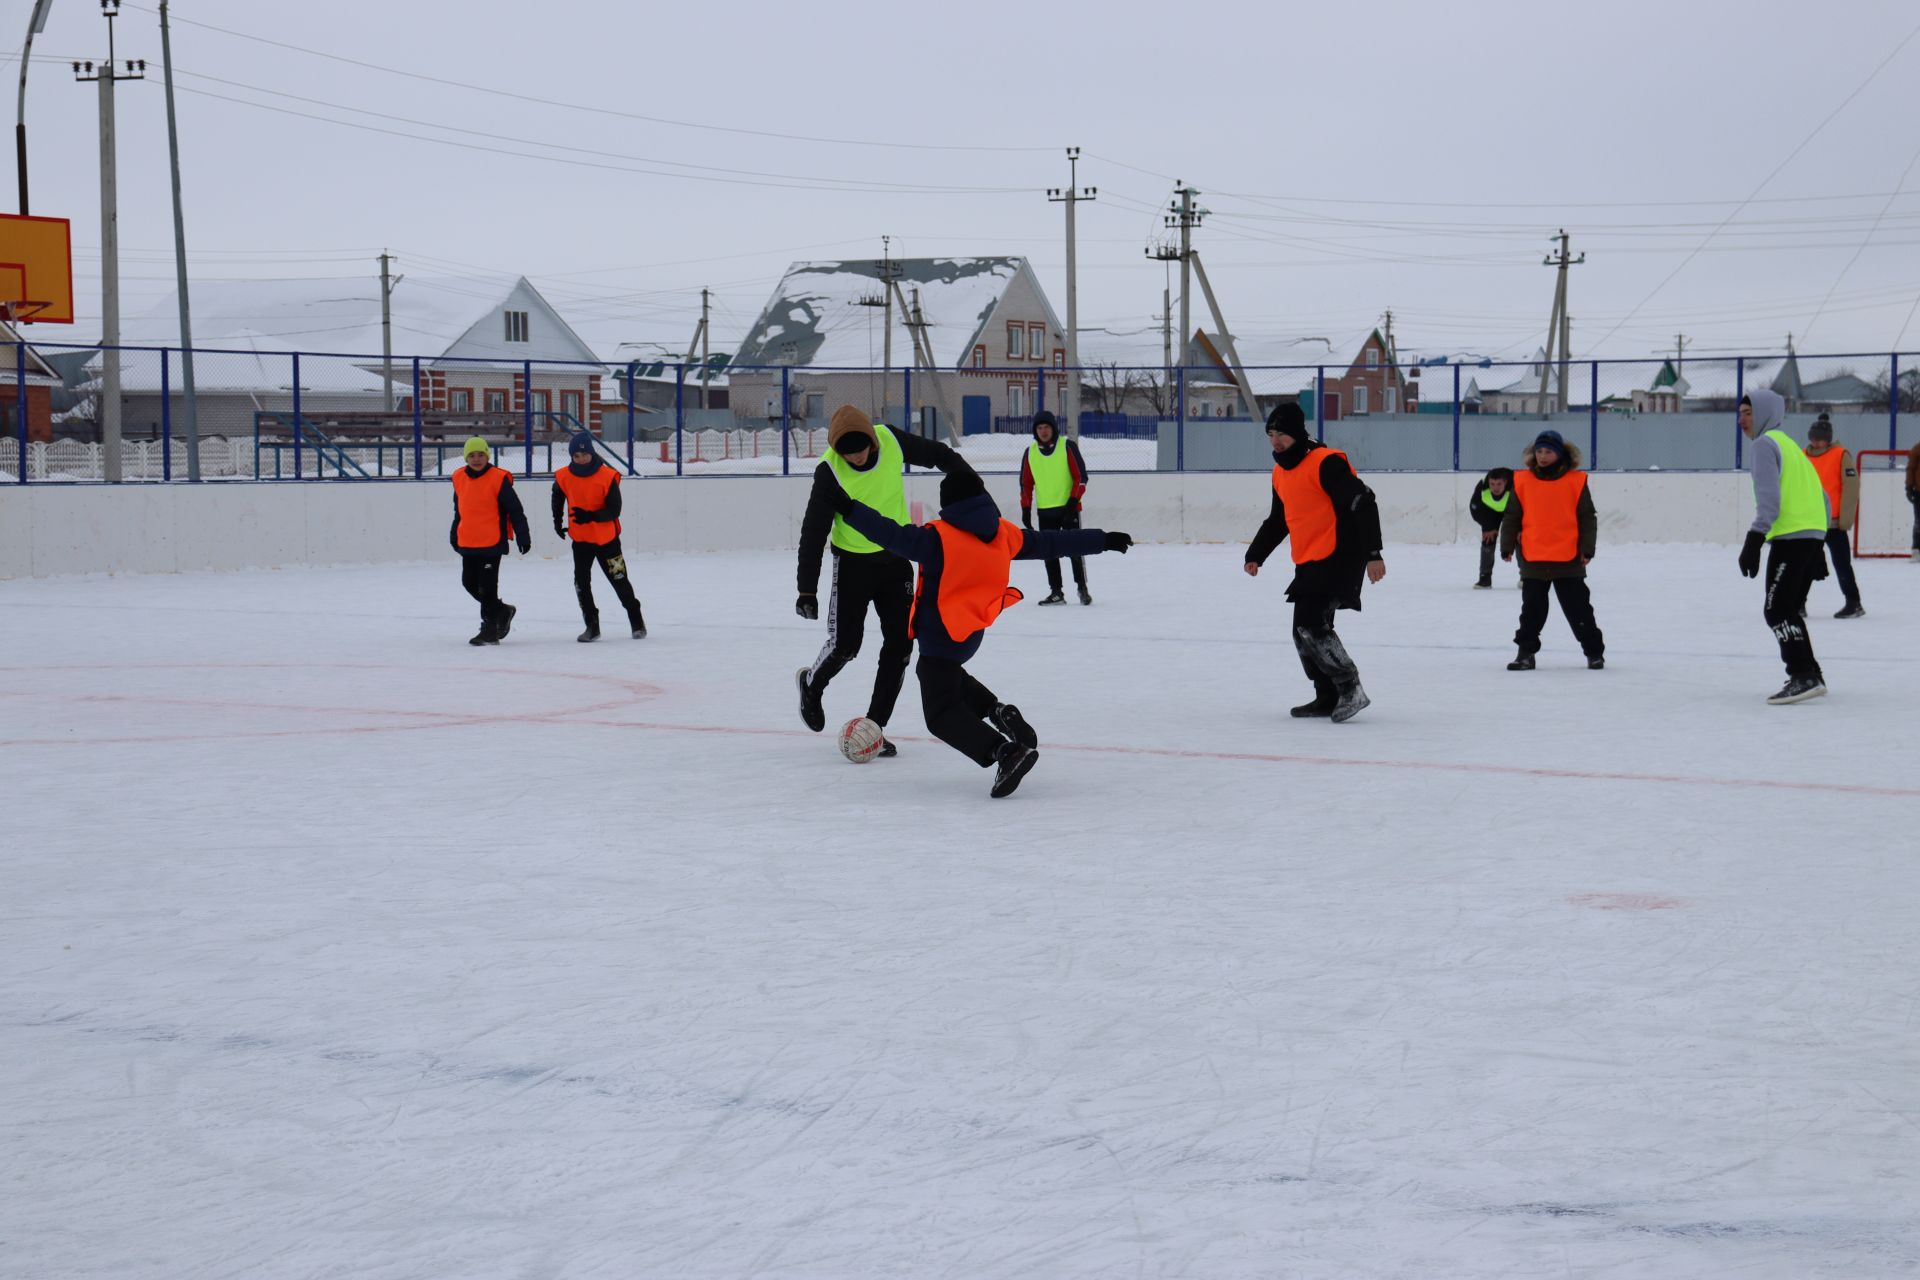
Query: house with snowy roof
489	352
979	335
23	367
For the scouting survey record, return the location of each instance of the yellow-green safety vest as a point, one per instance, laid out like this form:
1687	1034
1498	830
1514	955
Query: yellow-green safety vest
1052	477
1499	503
882	486
1803	500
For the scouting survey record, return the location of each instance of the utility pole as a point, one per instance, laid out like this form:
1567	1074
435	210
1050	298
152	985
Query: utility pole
698	343
1166	332
1557	328
191	403
1070	197
1186	218
107	75
1680	353
387	282
1388	378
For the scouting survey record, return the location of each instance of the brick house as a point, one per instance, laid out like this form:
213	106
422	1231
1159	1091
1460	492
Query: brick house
40	381
1373	383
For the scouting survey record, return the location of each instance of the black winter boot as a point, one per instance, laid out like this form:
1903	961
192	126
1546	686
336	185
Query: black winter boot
812	714
1016	762
1522	663
638	622
1008	720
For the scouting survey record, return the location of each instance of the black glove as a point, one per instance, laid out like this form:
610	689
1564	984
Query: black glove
1119	542
585	517
526	543
1026	517
808	607
559	530
1750	553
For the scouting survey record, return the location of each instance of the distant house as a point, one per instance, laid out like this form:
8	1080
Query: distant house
1373	383
21	364
990	346
488	355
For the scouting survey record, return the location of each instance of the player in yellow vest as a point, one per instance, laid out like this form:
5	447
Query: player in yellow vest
1791	521
1053	477
1840	477
867	461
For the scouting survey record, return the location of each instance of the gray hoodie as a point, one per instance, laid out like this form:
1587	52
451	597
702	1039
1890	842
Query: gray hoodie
1769	414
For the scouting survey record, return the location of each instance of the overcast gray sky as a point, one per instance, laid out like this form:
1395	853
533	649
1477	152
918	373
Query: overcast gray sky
1353	157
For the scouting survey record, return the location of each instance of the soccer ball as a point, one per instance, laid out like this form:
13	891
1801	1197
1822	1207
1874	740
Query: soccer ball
860	739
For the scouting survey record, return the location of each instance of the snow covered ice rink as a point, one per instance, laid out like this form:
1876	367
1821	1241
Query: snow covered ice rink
334	947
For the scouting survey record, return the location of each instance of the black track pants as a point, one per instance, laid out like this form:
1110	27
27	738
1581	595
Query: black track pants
1793	566
885	581
956	707
613	563
1322	656
480	575
1842	556
1487	550
1063	518
1576	602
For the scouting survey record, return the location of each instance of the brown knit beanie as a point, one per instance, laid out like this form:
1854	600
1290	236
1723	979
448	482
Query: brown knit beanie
847	421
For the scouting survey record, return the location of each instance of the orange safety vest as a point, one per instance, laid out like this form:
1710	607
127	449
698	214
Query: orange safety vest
973	579
1311	527
1549	515
588	493
478	499
1830	464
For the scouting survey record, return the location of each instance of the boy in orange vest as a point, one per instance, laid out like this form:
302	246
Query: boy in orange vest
485	510
966	561
586	504
1335	526
1551	523
1840	477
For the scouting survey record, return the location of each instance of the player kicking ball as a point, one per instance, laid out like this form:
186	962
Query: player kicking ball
966	561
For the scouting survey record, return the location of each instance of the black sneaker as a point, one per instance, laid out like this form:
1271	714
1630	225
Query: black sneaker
1798	689
1319	707
1596	663
591	634
1016	762
1008	720
1853	609
1353	700
486	636
1086	596
887	750
639	624
1055	598
1522	663
506	622
812	714
1483	586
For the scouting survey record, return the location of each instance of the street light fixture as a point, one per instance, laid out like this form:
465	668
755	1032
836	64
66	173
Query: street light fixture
35	25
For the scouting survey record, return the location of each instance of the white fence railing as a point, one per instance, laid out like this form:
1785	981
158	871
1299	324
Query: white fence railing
220	458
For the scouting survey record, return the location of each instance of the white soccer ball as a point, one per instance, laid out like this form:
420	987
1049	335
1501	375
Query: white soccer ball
860	739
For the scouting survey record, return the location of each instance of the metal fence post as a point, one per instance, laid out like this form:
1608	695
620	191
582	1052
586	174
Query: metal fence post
1456	417
786	427
1593	419
298	464
166	419
1180	419
20	386
1739	392
526	410
419	441
679	419
629	381
1893	405
1320	403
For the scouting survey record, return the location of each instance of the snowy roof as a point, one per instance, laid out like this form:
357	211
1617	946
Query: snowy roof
814	317
38	371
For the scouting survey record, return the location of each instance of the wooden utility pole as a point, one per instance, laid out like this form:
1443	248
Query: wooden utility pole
1557	329
387	282
1071	196
698	343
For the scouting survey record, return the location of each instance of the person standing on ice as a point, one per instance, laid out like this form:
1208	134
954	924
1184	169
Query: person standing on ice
1551	523
1053	472
866	460
966	561
1487	505
1792	520
586	506
486	511
1335	526
1840	480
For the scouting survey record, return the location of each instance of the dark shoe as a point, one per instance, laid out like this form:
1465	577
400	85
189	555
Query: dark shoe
486	636
1353	700
1854	609
1483	586
1056	598
1008	720
1086	596
1522	663
1016	762
591	634
504	622
1318	707
639	624
1798	689
887	750
812	714
1596	663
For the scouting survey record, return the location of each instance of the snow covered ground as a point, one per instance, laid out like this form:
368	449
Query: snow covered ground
335	947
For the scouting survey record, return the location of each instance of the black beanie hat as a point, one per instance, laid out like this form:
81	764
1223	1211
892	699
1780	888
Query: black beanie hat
1046	416
1822	428
958	486
1553	440
1288	418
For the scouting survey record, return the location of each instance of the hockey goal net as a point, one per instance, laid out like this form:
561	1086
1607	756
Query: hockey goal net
1883	527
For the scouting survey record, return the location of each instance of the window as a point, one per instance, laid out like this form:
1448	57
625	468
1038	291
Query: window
460	400
570	405
1016	395
496	401
1059	357
817	406
1037	341
541	401
1360	399
516	326
1392	400
1016	342
980	357
1373	357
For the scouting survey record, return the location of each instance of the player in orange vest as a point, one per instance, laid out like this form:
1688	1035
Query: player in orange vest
1334	523
485	511
586	505
966	561
1551	523
1840	477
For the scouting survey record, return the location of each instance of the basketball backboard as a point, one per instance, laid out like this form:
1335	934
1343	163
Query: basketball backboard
36	269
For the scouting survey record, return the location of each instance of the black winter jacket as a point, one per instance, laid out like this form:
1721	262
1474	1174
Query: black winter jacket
1356	530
